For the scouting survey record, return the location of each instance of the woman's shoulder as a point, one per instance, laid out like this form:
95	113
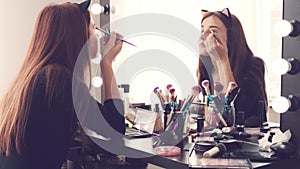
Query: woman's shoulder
254	75
249	83
255	69
257	63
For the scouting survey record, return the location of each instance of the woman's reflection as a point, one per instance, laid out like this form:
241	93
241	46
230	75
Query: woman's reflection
226	57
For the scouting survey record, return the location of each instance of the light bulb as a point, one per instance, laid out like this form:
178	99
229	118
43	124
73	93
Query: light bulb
282	66
287	28
290	66
97	9
97	81
283	28
281	104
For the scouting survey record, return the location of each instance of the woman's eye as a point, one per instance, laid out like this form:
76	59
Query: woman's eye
214	30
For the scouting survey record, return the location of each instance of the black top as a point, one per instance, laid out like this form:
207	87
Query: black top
248	101
51	123
250	94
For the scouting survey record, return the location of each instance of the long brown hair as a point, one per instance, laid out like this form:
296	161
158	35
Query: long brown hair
241	58
60	32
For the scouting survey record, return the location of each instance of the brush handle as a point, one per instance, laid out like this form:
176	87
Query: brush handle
118	38
231	86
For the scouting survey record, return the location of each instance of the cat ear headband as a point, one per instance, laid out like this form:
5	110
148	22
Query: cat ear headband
225	12
84	5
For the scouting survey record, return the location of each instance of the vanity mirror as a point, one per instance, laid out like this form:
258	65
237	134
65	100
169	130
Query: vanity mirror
167	32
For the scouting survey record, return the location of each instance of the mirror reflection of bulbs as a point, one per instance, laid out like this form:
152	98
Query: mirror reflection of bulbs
107	9
282	66
96	9
97	81
290	66
285	28
281	104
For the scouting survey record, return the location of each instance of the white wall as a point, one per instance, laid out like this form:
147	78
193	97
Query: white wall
17	20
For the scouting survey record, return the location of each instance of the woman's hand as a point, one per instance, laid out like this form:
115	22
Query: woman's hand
112	47
216	47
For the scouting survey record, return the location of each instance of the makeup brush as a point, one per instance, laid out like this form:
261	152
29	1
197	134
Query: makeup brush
218	107
167	92
196	90
155	90
215	38
218	86
118	38
169	86
187	102
172	92
205	84
231	86
158	92
216	99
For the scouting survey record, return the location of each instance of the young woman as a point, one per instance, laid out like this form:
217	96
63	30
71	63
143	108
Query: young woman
37	114
226	57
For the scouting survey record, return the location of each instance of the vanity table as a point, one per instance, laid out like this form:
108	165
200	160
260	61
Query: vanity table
142	149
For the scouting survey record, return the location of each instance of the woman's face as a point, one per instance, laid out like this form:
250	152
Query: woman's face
209	25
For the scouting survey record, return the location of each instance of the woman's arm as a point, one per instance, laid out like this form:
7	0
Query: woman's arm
106	119
219	55
111	50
